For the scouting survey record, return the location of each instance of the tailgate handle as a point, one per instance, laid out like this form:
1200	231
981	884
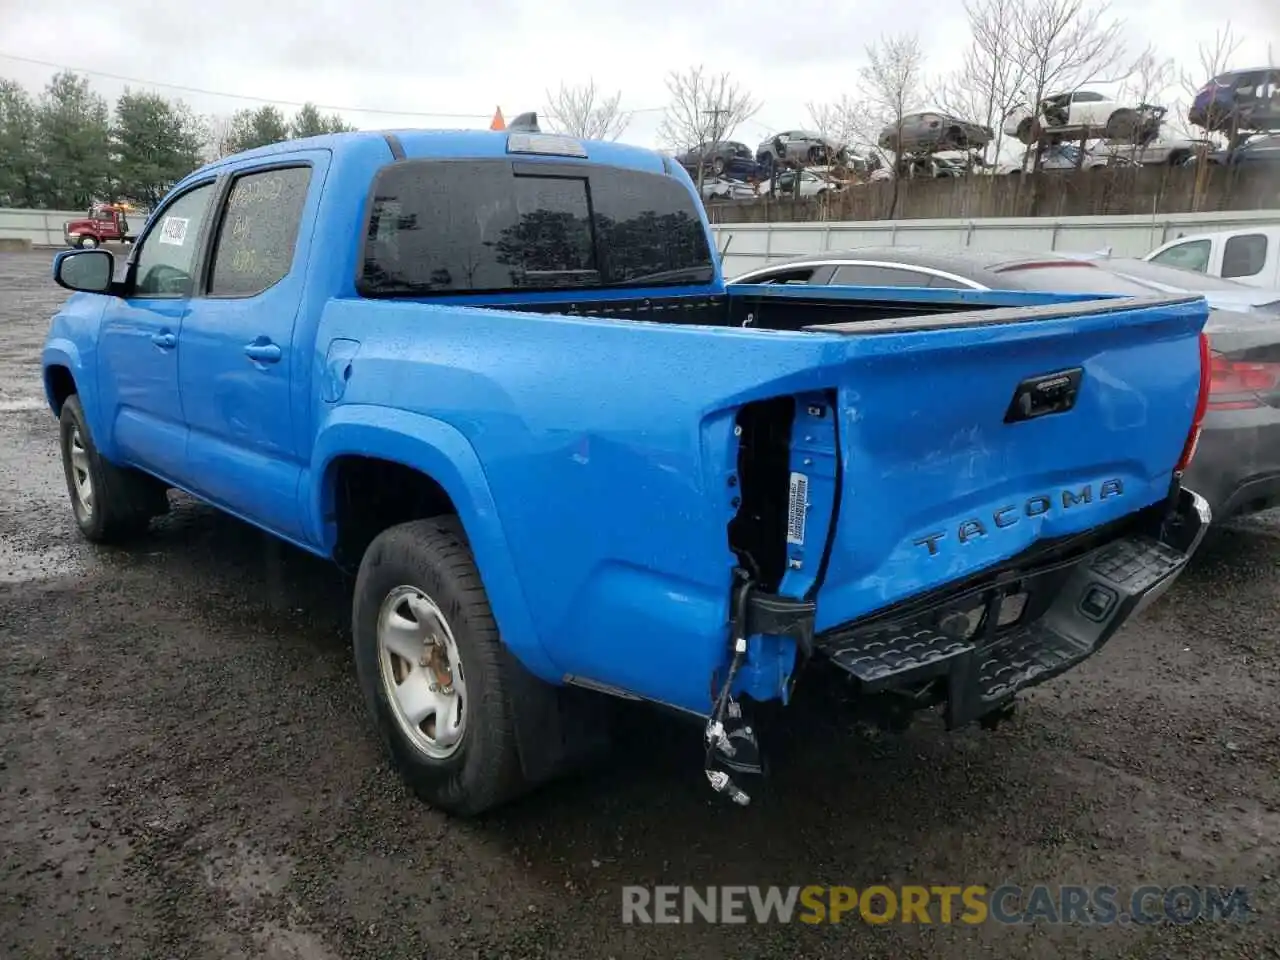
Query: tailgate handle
1045	394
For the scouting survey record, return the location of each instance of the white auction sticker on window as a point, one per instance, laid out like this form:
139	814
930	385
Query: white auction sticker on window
174	230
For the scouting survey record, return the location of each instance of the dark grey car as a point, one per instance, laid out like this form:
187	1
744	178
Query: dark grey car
933	131
1237	466
723	158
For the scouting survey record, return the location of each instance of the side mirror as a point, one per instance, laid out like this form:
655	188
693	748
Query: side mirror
84	271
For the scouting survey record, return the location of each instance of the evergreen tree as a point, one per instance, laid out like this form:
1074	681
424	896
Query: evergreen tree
156	143
73	143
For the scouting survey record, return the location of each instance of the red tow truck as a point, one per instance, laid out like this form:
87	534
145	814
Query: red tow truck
106	223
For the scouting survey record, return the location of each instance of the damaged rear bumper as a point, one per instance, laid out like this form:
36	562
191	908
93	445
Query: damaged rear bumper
973	651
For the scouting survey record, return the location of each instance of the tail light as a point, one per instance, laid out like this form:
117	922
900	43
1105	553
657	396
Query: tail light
1202	403
1241	384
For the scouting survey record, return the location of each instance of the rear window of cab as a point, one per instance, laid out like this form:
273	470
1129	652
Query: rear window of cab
439	227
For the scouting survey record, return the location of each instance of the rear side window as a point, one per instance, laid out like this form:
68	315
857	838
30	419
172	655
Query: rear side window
1245	255
494	226
1192	255
800	275
259	231
869	276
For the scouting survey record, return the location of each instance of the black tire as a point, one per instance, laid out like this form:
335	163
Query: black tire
1180	158
123	500
1122	123
1024	131
717	166
433	556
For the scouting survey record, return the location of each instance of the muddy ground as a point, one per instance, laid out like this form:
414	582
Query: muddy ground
186	771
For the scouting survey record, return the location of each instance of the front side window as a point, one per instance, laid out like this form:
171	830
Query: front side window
1192	255
259	230
1245	255
167	256
483	226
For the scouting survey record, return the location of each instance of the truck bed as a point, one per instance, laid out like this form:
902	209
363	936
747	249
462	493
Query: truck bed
796	307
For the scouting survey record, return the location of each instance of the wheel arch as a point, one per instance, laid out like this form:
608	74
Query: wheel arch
452	477
63	374
59	384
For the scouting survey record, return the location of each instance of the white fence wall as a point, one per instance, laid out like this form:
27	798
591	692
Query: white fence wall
41	227
756	244
751	245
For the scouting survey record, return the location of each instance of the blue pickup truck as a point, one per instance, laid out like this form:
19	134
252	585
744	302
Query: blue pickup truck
499	378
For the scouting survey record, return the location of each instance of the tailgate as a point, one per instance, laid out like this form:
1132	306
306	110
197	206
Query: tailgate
965	438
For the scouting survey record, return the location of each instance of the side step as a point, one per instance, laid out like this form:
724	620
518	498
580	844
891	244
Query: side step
990	643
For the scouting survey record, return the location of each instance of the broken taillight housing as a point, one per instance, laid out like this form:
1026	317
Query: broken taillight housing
1202	402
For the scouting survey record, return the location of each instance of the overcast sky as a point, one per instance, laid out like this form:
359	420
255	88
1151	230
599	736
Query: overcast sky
426	57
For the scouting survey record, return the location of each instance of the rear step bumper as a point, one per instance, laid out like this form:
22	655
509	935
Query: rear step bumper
968	655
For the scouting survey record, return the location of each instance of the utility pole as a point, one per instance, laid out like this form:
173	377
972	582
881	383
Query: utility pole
715	128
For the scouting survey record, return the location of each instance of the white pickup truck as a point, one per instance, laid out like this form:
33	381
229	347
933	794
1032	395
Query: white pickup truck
1249	255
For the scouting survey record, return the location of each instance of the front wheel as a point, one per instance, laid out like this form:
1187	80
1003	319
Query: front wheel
87	243
110	503
433	669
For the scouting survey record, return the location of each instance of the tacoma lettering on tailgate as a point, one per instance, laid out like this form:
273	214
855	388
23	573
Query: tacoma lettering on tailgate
1068	498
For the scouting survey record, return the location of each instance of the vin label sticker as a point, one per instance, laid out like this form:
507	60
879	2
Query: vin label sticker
796	508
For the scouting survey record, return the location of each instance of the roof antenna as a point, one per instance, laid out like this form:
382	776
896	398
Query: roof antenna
525	123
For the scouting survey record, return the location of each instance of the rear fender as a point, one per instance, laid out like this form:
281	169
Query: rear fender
439	451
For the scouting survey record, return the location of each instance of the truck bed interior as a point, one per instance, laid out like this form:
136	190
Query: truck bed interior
721	310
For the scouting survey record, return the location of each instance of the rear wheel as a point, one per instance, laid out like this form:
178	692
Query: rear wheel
717	166
432	667
110	503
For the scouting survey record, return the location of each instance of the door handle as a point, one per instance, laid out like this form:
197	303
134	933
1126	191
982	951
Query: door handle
261	352
165	341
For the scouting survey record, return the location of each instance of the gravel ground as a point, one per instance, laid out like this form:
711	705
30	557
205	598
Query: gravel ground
186	771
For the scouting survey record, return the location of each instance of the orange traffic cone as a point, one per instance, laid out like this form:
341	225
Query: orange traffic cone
498	123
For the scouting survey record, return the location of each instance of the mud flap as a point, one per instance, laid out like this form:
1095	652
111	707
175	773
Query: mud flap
557	729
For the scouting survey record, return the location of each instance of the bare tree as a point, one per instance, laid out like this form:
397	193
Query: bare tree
704	108
846	121
1061	45
586	113
217	144
892	82
1150	76
989	81
1214	58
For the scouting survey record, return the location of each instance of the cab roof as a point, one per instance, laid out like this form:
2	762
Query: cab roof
446	144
